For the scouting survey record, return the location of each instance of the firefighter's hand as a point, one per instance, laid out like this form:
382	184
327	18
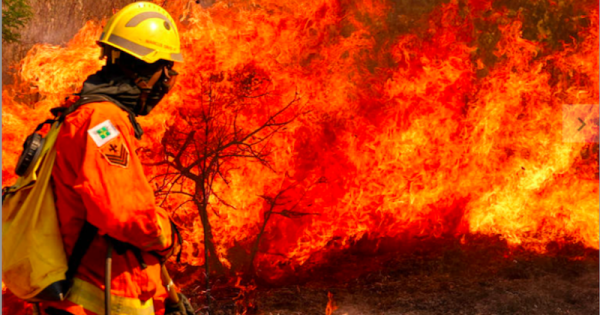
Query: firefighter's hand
182	308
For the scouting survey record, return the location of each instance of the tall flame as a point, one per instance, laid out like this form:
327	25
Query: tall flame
439	121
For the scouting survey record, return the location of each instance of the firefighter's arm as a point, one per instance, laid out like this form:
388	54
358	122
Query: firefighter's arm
118	198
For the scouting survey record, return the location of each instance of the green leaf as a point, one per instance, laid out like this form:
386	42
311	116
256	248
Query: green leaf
15	14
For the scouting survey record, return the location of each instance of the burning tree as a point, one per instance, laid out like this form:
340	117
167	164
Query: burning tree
434	121
226	120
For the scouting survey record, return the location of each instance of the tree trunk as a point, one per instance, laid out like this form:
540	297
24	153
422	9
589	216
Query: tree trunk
208	237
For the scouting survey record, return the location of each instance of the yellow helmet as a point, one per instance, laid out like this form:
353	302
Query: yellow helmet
145	31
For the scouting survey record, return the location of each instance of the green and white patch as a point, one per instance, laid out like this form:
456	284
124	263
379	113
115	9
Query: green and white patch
103	132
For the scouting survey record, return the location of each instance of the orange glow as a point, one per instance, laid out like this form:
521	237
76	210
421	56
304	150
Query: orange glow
331	306
402	134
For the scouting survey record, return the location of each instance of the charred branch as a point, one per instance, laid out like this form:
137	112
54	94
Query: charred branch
201	145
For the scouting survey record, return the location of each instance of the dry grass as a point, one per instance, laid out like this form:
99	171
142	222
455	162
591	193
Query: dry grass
485	280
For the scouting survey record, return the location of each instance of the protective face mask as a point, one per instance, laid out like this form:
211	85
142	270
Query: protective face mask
164	84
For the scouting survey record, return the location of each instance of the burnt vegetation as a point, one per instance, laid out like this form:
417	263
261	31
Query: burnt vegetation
227	121
432	276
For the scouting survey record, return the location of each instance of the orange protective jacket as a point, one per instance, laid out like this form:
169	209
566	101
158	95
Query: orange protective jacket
99	178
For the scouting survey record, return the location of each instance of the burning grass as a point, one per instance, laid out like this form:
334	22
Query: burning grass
536	290
447	278
426	130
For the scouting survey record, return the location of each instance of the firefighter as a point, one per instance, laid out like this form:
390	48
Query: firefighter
98	178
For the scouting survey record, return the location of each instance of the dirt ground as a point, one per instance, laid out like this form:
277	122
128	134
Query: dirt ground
485	280
449	281
521	289
455	282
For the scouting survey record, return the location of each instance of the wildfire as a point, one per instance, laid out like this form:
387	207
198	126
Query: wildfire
331	305
444	121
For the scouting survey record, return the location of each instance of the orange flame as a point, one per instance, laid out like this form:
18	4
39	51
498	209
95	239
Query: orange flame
331	305
245	302
441	125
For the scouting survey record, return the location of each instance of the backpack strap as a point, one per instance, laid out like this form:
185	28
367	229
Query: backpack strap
57	291
48	122
122	247
91	98
86	236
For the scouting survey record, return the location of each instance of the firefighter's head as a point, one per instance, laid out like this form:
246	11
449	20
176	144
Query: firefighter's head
142	40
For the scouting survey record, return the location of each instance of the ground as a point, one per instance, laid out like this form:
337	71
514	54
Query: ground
482	281
521	289
425	279
455	282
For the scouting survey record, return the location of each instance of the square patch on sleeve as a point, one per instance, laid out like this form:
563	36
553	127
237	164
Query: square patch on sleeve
103	133
116	153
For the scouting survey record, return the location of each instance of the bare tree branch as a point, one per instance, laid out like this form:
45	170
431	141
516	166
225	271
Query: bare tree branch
201	145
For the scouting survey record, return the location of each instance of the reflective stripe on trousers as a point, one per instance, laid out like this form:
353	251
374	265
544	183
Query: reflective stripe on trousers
91	298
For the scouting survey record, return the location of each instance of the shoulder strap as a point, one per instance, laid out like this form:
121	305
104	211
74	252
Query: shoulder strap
86	236
90	98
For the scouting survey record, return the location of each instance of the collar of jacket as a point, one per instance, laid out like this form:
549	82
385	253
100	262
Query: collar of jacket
112	85
90	98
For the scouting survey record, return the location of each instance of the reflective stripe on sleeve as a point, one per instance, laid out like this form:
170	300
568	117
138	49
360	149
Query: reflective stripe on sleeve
91	298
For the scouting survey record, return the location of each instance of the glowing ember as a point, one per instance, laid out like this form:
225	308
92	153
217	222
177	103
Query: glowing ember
447	123
331	305
245	302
